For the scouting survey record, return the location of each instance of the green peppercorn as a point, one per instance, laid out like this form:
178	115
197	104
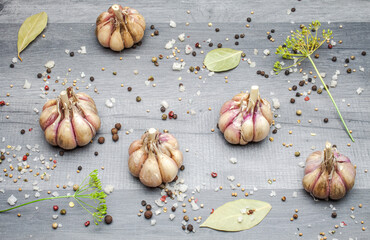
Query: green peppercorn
63	212
319	91
297	154
138	99
191	69
164	116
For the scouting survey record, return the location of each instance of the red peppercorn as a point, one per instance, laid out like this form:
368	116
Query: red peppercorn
55	208
24	157
55	161
30	129
48	76
87	223
170	114
163	198
330	46
2	103
46	88
197	45
214	175
306	98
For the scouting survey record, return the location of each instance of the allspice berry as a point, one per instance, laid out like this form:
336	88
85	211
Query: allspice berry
114	131
108	219
190	228
115	137
295	216
148	214
101	140
117	126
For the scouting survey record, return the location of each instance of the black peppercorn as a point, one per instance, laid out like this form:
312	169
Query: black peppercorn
108	219
301	83
92	79
143	203
236	36
96	153
152	27
175	116
309	79
314	88
190	228
148	207
11	65
148	214
326	120
23	131
349	70
101	140
236	43
274	131
2	157
287	72
173	209
347	60
249	19
219	45
292	10
258	72
71	54
297	94
39	75
217	29
334	59
363	53
243	35
156	32
334	215
163	109
210	44
263	73
294	87
272	30
129	89
194	53
79	168
61	153
266	76
269	37
182	168
292	100
183	227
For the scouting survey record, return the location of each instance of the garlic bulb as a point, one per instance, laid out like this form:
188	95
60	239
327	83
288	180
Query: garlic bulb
71	120
245	118
120	27
155	158
328	174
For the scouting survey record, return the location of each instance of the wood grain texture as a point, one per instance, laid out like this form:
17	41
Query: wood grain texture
71	25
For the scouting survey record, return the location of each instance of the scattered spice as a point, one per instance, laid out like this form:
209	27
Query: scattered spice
108	219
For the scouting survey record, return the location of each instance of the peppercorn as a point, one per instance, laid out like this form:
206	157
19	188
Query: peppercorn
294	87
138	99
190	228
143	203
115	137
148	207
217	29
263	73
75	187
197	68
152	27
156	32
219	45
39	75
301	83
173	209
363	53
317	55
243	55
61	152
334	215
330	46
349	70
319	91
297	154
71	54
236	43
309	79
210	44
314	88
101	140
292	10
79	168
242	35
347	60
114	130
2	157
283	199
269	37
108	219
249	19
297	94
23	131
236	36
129	89
55	208
11	65
258	72
183	227
63	212
197	45
186	218
164	116
148	214
182	168
55	225
96	153
292	100
334	59
299	112
353	57
295	216
272	30
194	53
87	223
287	72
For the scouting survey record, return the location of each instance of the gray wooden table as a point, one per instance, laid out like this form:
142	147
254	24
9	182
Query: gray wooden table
71	25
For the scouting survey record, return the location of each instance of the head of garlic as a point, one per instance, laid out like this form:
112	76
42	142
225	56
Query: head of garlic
245	118
155	158
328	174
119	27
70	120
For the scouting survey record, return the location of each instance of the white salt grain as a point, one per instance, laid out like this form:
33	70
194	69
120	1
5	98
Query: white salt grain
266	52
27	84
181	37
177	66
359	90
233	160
240	219
50	64
12	200
172	216
153	222
276	103
172	24
108	103
170	44
231	178
188	49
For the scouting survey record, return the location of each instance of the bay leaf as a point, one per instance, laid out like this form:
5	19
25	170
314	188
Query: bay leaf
225	218
222	59
30	29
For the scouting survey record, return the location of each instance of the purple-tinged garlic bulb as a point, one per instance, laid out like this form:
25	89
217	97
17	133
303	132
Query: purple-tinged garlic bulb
155	158
120	27
71	120
328	174
245	118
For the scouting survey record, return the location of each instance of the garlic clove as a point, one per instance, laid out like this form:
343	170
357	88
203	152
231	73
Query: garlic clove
238	97
65	135
226	119
176	155
127	39
135	30
167	138
116	42
337	188
167	166
51	132
48	116
83	130
313	161
91	117
266	110
104	33
261	127
150	174
227	106
347	172
134	146
309	180
232	132
165	149
247	129
49	103
321	188
136	161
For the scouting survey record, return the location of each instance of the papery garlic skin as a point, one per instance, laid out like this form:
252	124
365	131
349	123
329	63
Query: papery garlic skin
155	158
119	27
245	118
328	174
71	120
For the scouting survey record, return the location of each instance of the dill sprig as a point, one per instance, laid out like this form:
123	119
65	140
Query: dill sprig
90	188
300	45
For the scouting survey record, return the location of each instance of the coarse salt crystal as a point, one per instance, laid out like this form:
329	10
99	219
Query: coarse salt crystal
255	51
108	103
273	193
108	189
172	216
158	211
188	49
359	90
194	206
50	64
266	52
276	103
233	160
295	194
231	178
182	37
240	219
27	84
172	24
82	75
165	104
178	66
170	44
153	222
12	200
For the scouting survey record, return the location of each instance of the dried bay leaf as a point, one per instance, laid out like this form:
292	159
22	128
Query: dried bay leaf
222	59
225	218
30	29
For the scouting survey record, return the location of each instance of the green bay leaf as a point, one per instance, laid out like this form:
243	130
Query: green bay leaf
225	218
222	59
30	29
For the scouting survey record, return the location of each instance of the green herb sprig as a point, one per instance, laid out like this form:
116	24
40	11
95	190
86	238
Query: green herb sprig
300	45
90	188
